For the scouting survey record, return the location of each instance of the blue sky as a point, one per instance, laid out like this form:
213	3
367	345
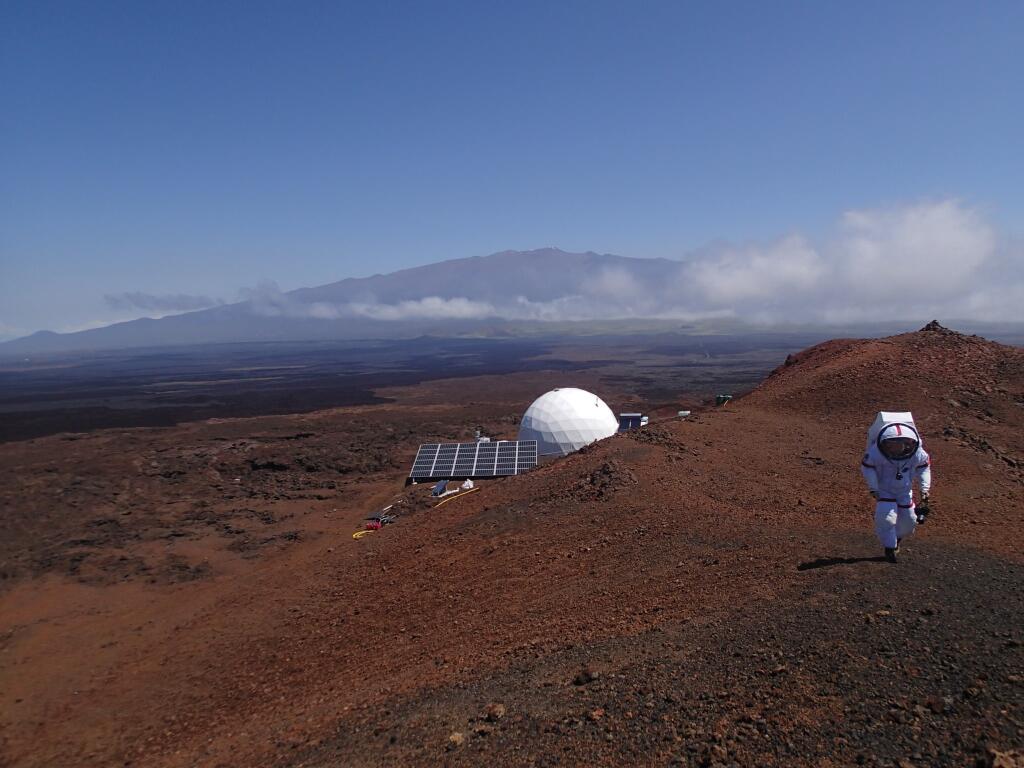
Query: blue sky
195	149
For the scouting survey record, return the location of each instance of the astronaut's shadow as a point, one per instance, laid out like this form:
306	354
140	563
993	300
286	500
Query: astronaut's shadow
828	562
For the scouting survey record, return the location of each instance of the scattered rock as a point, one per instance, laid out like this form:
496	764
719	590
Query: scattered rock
1011	759
611	476
494	712
456	740
717	753
937	705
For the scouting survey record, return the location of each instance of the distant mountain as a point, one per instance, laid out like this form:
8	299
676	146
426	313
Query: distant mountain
456	296
508	293
543	275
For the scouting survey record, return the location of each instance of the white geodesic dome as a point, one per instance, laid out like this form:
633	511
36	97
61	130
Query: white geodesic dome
564	420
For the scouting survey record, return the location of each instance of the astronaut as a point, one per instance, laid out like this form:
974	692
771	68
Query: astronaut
893	461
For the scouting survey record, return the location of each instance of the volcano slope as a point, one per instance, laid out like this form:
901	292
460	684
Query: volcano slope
700	592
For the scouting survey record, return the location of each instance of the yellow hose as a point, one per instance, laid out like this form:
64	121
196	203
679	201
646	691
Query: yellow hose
456	496
360	534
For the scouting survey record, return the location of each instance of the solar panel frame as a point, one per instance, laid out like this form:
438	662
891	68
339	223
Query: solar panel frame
465	459
485	458
526	458
423	465
459	461
445	460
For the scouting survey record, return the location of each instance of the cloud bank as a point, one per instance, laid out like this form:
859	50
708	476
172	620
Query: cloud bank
429	308
910	262
268	300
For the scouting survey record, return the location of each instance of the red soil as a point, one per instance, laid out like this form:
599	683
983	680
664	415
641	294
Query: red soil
697	592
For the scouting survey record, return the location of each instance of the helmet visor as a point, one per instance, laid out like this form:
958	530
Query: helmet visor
898	447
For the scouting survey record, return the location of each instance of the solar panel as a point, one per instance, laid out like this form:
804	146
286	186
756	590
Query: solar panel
458	461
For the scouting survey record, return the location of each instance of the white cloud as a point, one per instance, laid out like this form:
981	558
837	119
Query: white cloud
733	275
930	248
931	259
429	308
268	300
571	307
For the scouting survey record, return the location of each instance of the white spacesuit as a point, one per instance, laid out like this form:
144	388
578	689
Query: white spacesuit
894	459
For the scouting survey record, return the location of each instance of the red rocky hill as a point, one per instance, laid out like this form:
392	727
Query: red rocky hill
699	592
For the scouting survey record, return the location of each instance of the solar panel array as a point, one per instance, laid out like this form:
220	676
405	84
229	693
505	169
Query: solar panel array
457	461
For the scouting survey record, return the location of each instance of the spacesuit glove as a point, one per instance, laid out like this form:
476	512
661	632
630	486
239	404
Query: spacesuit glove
922	510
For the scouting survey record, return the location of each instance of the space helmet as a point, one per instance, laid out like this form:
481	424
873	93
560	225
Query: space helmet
898	441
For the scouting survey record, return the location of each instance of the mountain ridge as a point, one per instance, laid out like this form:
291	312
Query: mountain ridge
447	297
508	292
